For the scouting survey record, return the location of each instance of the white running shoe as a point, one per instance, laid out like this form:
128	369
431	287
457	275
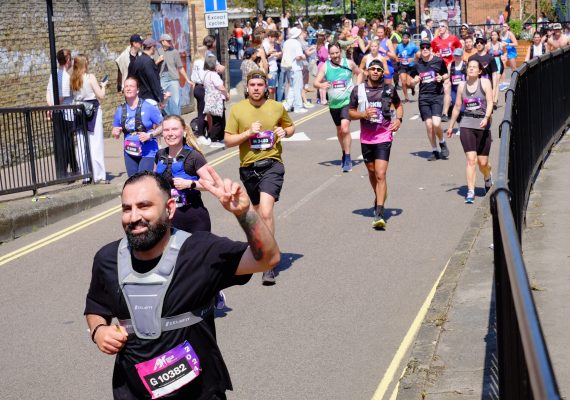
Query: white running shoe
204	141
217	145
301	111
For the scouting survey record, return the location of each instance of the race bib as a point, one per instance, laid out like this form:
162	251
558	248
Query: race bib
446	52
379	118
404	61
457	79
262	141
427	77
472	104
133	148
169	372
340	84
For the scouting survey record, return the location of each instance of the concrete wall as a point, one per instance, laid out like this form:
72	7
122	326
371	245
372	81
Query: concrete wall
98	28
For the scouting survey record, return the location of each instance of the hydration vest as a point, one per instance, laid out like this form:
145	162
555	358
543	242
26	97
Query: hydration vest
532	50
176	165
144	293
386	100
139	127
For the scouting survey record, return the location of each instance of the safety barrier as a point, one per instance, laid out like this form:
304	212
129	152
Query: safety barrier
42	146
537	112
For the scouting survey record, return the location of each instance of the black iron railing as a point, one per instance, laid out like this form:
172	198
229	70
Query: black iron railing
42	146
537	111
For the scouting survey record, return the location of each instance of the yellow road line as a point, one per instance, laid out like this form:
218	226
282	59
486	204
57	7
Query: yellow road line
74	228
58	235
308	117
406	343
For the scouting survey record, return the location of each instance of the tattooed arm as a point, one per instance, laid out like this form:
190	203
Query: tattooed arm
263	251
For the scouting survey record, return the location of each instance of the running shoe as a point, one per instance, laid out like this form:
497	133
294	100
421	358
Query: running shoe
434	156
217	145
444	150
268	278
220	300
488	183
470	197
308	104
503	86
347	164
204	141
444	118
301	111
378	222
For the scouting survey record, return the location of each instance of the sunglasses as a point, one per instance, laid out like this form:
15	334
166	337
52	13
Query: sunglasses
425	47
479	42
376	69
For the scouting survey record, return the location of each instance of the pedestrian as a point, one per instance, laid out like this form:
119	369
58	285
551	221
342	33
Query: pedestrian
272	55
431	73
285	25
469	48
370	103
406	52
557	40
238	34
183	163
86	89
193	267
139	120
197	78
497	49
373	55
126	58
337	78
457	73
443	46
171	69
63	122
147	73
486	60
427	30
388	51
322	58
475	96
537	48
257	125
215	96
292	61
210	43
511	42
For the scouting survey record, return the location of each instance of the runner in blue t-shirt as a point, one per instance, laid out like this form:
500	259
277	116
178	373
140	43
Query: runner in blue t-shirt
406	52
141	125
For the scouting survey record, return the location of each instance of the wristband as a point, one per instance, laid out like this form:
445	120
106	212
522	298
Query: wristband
400	118
95	331
193	185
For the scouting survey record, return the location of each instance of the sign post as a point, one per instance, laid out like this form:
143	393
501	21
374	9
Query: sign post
215	13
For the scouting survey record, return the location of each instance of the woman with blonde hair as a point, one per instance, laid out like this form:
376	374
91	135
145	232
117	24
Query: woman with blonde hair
197	77
86	89
183	164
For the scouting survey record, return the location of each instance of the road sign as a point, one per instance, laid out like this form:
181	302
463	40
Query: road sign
394	8
216	20
215	6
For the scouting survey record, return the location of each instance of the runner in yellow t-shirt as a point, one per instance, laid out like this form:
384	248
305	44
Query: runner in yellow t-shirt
257	125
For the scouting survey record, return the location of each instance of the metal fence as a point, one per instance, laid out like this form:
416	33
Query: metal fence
42	146
537	111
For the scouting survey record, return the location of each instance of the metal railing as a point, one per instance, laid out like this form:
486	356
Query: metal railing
42	146
537	110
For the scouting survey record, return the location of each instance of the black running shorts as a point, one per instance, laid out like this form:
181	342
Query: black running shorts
406	69
431	107
267	176
478	140
339	114
376	151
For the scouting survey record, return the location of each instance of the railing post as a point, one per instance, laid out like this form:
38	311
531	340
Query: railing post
30	138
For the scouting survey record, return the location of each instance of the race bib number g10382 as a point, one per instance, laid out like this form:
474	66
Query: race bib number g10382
170	371
262	141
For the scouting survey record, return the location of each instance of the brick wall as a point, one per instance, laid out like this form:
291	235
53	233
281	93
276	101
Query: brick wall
98	28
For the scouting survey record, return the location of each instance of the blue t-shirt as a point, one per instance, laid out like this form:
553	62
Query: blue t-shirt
405	52
150	116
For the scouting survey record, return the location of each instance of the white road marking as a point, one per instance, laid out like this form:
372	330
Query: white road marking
354	135
297	137
308	197
414	117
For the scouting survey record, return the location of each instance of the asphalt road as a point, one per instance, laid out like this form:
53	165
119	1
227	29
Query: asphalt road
345	298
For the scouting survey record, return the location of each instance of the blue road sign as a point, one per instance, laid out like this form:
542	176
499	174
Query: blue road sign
215	5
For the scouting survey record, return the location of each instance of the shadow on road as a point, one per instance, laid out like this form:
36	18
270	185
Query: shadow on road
425	155
287	260
462	191
222	313
336	163
388	212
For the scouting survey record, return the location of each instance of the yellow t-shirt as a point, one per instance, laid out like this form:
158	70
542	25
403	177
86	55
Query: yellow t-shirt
270	115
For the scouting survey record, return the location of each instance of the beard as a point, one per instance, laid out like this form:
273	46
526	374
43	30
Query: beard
146	240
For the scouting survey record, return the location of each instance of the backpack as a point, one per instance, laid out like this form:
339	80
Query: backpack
386	99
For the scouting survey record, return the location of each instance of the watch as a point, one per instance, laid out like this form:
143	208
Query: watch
400	118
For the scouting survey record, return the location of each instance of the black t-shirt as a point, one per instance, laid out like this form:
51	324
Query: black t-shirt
427	70
206	264
488	62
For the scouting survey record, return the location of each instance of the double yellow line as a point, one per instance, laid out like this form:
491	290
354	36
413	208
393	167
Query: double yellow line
107	213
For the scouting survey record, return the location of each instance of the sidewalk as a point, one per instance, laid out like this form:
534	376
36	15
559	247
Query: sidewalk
454	355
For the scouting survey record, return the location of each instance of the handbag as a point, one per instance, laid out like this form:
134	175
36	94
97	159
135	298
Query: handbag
89	108
213	100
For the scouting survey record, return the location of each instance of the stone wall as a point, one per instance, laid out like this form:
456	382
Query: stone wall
98	28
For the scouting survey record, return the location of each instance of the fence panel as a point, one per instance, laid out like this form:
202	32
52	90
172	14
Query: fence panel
42	146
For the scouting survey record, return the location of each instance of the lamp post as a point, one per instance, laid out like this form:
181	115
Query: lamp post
52	53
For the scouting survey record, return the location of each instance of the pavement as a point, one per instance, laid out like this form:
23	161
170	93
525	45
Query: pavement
454	353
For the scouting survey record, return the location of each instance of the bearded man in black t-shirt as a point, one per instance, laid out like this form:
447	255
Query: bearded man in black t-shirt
180	358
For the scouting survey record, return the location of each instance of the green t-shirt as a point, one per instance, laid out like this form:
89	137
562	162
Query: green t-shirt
270	115
340	79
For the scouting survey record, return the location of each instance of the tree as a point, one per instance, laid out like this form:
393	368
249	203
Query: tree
371	9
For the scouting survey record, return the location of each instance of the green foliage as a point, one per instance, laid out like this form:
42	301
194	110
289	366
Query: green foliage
547	7
371	9
269	4
516	27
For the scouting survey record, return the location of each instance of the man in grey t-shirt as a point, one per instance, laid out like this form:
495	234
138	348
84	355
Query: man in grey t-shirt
171	68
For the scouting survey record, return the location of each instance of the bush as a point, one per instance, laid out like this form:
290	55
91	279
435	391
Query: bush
516	27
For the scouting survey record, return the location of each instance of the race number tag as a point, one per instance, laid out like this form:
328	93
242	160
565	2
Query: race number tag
339	84
427	77
472	104
404	61
446	52
457	79
379	118
262	141
133	148
169	372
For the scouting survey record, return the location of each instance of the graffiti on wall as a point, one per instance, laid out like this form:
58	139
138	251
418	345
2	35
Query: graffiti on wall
441	9
173	19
